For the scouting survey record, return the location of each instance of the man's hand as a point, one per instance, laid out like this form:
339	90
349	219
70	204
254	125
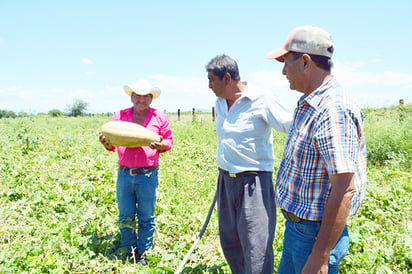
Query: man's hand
105	142
158	145
316	264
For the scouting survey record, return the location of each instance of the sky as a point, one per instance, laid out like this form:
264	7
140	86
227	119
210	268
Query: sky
55	52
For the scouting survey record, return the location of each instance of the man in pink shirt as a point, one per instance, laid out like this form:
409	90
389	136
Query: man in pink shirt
138	167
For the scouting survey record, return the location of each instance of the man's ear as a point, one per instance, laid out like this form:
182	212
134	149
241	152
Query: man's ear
227	77
306	60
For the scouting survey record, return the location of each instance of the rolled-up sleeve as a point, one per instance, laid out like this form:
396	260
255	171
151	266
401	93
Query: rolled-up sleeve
166	133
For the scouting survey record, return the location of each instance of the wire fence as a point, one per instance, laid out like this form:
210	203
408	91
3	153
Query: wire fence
194	115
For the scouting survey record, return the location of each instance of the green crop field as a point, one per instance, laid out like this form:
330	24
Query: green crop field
58	211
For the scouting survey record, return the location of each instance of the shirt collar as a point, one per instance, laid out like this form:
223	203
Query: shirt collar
315	97
150	111
249	92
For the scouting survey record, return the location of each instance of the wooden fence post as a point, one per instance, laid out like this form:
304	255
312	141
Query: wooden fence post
193	114
178	114
213	114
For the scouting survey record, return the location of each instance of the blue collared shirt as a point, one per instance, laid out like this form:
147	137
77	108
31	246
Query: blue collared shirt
245	140
326	137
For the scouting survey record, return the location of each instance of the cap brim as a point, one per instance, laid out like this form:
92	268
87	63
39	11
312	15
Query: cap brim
277	54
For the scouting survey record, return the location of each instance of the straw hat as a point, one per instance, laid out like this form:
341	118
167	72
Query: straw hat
142	87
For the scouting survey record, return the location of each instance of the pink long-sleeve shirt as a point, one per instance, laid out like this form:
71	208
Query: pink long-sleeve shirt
155	121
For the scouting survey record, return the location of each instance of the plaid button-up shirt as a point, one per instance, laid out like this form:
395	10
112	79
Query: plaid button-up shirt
326	137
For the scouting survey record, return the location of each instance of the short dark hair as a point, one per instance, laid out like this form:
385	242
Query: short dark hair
222	64
321	61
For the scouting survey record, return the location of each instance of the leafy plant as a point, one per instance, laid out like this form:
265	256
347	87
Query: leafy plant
388	138
26	140
58	208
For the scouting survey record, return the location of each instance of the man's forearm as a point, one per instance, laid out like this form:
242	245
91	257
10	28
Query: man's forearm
335	215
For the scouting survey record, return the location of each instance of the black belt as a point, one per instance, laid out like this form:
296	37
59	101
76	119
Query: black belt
133	171
291	217
240	174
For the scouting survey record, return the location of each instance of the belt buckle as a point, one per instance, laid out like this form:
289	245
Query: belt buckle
232	175
293	217
131	173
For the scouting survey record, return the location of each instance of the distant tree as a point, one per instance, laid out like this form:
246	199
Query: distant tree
7	114
55	113
78	108
23	114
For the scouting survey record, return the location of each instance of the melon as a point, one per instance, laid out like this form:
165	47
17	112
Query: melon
128	134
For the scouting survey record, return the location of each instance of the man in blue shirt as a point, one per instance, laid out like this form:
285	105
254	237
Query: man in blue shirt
245	196
322	177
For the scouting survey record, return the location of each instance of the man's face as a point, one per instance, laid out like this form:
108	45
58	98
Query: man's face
293	71
141	103
216	84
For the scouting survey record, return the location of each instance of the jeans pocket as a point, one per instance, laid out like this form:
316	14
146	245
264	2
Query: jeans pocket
307	229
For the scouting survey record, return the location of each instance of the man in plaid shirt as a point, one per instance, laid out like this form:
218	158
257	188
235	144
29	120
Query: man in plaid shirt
322	177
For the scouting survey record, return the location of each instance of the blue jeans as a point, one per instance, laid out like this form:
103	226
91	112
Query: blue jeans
297	246
136	195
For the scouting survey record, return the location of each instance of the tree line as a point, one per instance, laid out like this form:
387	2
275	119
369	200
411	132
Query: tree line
78	108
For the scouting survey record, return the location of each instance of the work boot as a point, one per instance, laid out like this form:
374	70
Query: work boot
142	259
138	258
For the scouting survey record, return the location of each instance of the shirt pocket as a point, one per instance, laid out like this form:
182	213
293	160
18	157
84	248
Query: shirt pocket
301	146
243	122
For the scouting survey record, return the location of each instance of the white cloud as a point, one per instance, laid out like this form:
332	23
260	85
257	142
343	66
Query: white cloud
277	83
178	92
353	77
58	91
90	73
375	89
184	93
87	61
8	91
371	89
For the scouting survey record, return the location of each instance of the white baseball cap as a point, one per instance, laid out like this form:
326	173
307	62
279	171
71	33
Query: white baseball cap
305	39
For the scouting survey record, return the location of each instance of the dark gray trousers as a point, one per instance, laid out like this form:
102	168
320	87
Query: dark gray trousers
247	221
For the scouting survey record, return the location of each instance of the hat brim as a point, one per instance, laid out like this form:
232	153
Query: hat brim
155	92
277	54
